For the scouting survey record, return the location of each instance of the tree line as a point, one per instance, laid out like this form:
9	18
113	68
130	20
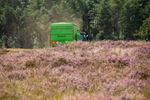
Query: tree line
25	23
114	19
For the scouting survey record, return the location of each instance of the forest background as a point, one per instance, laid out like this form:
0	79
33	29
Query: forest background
25	23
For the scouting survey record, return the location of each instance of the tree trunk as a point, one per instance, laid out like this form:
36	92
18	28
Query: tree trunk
85	26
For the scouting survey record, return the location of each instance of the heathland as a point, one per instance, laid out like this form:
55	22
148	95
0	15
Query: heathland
106	70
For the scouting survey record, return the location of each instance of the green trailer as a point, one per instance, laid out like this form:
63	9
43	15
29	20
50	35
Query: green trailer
61	33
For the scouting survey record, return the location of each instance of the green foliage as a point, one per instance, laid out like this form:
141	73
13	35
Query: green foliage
103	18
111	19
84	9
1	43
116	18
144	32
132	18
24	23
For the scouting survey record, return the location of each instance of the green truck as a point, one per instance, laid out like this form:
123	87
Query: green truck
61	33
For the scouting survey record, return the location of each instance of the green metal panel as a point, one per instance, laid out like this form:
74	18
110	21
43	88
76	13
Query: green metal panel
62	33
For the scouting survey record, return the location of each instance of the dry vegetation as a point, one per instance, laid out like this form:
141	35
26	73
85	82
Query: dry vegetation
105	70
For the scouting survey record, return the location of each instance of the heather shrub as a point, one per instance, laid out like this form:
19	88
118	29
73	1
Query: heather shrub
142	75
59	62
16	76
119	62
116	70
31	64
3	51
8	67
146	91
7	92
4	95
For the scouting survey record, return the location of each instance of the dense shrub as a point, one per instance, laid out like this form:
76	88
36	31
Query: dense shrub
108	69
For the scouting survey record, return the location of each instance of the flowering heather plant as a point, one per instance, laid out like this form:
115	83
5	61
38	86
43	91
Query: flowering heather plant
106	70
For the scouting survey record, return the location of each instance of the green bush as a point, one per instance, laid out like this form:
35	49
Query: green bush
144	32
1	43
